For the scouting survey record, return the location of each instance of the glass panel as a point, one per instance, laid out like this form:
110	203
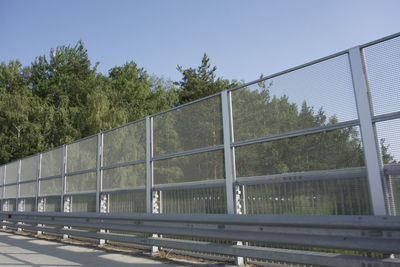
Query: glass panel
125	144
29	168
313	96
131	202
202	200
196	167
51	162
52	204
12	172
383	69
81	182
50	187
193	126
348	196
124	177
82	155
28	189
10	191
328	150
85	203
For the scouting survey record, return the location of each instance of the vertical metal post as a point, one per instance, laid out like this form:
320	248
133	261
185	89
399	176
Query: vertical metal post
98	170
18	185
4	188
231	194
371	152
63	170
229	179
38	175
149	164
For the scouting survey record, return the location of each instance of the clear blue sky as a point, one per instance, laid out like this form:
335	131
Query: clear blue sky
242	38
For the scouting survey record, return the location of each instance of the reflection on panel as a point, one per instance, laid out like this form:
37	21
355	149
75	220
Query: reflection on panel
383	68
84	203
10	191
12	172
196	167
51	162
81	182
125	144
202	200
321	197
125	177
193	126
50	187
313	96
130	202
52	204
28	189
82	155
29	168
322	151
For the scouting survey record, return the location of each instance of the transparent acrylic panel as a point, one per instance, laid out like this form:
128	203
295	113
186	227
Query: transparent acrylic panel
29	204
1	175
29	168
82	155
81	182
195	167
28	189
389	140
125	177
312	96
125	144
52	204
12	172
129	202
322	151
202	200
383	72
192	126
50	187
52	162
84	203
10	191
344	196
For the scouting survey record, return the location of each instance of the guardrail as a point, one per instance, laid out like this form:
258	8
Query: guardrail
379	234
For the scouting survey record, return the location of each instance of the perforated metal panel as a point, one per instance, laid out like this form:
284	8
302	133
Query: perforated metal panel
193	126
28	189
84	203
130	202
82	155
50	187
125	177
12	172
29	168
10	191
51	162
81	182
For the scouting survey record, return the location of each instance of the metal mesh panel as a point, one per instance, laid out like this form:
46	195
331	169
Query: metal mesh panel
12	172
323	197
1	192
11	205
202	200
125	177
125	144
1	174
50	187
328	150
28	189
312	96
196	167
51	162
84	203
383	71
52	204
29	168
29	204
82	155
389	140
193	126
394	185
81	182
10	191
131	202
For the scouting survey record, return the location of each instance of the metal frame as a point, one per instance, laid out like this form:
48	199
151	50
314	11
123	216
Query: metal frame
149	164
63	170
99	164
371	153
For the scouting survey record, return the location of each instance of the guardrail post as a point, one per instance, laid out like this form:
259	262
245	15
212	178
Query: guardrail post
231	192
371	152
150	197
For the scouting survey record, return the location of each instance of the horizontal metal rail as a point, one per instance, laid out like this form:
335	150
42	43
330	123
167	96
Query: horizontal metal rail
362	233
